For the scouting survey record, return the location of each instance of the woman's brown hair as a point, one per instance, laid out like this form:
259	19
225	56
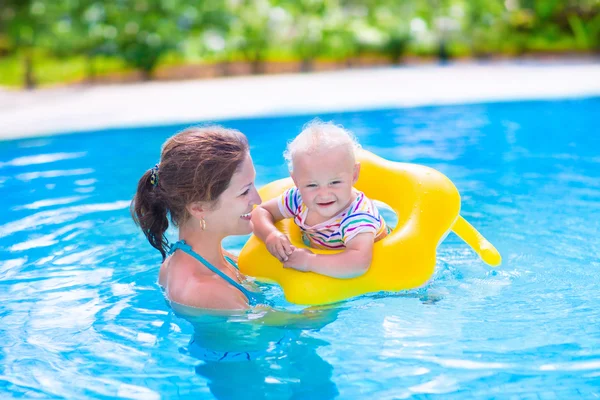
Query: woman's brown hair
195	165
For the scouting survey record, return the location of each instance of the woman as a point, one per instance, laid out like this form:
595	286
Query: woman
205	183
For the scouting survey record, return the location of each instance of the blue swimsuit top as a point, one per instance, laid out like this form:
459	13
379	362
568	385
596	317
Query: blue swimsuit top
254	298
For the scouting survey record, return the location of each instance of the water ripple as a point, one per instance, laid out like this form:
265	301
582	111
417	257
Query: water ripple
49	203
29	176
59	216
41	159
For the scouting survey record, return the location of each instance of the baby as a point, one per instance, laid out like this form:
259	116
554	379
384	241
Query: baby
330	212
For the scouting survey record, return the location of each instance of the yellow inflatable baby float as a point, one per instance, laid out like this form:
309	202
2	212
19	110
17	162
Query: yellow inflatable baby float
427	204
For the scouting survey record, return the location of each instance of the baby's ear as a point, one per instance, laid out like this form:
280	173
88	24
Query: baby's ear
293	178
356	172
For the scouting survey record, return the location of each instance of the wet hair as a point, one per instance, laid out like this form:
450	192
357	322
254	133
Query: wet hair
318	136
195	165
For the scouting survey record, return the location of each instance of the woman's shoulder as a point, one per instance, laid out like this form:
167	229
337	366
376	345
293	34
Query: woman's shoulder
188	285
209	294
179	270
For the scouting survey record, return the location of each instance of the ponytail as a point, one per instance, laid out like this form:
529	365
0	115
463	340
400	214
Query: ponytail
149	211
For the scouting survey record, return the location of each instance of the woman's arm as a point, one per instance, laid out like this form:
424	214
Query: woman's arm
215	297
210	294
350	263
309	318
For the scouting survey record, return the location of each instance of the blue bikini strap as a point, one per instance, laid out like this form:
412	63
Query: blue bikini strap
231	262
186	248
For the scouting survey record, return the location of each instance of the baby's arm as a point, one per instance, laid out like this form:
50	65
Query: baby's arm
350	263
264	217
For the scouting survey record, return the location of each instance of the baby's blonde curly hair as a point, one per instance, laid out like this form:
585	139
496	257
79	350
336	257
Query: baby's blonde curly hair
318	136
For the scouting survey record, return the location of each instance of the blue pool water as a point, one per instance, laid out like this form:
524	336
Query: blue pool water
82	315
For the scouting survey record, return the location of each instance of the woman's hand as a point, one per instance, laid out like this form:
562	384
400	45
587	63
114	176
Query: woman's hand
300	260
279	246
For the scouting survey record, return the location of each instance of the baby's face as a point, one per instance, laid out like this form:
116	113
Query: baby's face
325	179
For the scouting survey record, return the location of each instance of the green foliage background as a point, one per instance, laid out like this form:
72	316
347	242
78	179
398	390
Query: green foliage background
52	41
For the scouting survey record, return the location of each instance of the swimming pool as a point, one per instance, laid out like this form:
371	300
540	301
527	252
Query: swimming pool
82	315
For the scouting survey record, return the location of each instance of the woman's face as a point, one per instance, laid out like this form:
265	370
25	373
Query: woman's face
231	213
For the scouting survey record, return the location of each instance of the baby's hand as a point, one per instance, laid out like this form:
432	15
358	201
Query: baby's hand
299	260
279	246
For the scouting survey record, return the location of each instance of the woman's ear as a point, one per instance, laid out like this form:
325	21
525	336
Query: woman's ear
356	173
196	209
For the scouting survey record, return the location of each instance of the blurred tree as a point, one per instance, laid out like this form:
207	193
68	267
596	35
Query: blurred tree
367	36
313	22
215	33
253	30
82	29
25	22
482	25
583	19
342	29
393	18
142	31
437	13
553	24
